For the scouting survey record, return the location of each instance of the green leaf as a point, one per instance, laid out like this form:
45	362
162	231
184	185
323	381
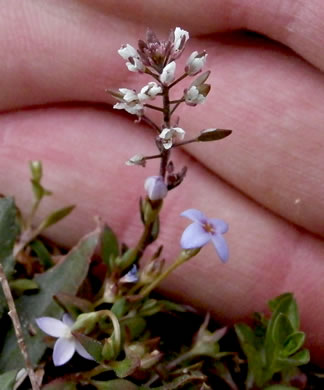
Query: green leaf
213	135
298	359
65	277
120	307
126	367
91	345
8	379
284	319
286	304
109	246
9	230
56	216
281	330
133	327
42	253
253	352
19	286
115	384
72	304
293	343
182	380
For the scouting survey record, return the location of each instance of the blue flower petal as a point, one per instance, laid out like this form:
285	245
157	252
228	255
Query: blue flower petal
221	247
64	349
195	215
82	351
194	236
219	225
52	326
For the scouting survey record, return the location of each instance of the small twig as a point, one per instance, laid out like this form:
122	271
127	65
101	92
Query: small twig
175	107
151	123
154	107
17	327
177	80
190	141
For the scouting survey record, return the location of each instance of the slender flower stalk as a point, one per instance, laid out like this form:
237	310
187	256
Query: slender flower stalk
18	329
184	256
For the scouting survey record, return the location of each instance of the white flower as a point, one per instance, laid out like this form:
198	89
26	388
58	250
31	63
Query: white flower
66	344
134	109
168	73
155	187
195	63
134	63
138	159
127	51
193	96
129	95
168	136
149	91
178	36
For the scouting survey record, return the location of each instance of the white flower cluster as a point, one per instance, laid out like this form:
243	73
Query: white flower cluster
133	102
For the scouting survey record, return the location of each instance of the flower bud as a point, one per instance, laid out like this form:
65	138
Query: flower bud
155	187
149	91
168	73
167	136
127	51
36	170
180	38
138	159
195	95
195	63
135	65
85	322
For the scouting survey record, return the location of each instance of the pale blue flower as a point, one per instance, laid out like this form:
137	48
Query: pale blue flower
155	187
203	230
66	344
131	276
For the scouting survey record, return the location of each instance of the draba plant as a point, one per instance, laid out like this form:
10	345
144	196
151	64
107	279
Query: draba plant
97	309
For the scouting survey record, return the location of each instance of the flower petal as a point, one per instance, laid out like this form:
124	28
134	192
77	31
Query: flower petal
52	326
219	225
67	320
82	351
194	236
195	215
221	247
64	349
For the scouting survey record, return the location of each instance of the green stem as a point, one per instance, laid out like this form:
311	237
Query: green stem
184	256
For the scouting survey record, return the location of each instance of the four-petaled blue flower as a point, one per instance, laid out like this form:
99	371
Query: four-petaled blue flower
203	230
66	344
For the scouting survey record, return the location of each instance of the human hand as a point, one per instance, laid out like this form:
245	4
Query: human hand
265	180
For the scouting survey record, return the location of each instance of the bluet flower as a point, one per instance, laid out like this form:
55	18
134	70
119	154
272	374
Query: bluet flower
66	344
155	187
203	230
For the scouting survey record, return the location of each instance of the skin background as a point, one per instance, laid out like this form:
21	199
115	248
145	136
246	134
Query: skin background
265	180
